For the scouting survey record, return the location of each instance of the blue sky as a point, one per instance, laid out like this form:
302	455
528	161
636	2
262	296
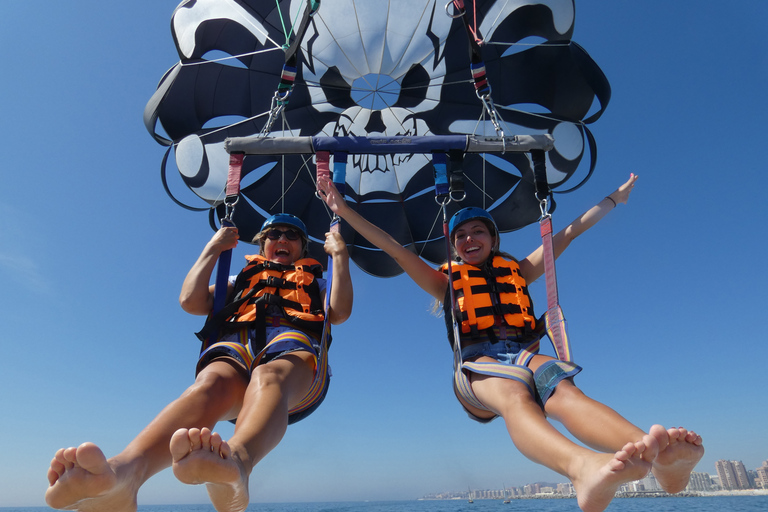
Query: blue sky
664	298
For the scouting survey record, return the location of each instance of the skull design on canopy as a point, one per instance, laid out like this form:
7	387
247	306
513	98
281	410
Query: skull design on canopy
394	67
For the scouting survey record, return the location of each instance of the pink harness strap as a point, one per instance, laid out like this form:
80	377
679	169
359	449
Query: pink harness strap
553	318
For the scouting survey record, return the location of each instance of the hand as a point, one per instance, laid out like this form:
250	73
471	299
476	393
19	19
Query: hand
225	239
334	244
330	194
621	195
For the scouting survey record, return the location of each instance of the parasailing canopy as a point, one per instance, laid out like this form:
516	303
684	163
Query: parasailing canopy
389	68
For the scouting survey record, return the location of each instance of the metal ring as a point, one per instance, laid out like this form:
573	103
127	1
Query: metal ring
454	16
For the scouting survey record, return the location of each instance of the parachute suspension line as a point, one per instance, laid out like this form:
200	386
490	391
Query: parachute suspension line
288	74
554	319
477	64
283	189
485	168
311	4
460	11
282	184
204	62
431	231
484	165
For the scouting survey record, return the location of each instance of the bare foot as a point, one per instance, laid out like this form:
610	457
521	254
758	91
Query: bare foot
82	479
680	451
603	473
202	457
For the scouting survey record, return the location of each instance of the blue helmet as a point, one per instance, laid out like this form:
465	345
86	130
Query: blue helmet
470	213
285	219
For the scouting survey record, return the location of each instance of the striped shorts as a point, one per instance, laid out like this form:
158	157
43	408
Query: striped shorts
509	355
237	349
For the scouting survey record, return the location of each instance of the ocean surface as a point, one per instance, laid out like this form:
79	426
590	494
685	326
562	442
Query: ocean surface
671	504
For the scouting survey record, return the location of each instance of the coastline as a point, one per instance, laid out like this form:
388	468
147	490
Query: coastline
648	494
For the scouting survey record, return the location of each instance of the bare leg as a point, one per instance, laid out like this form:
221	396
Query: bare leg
595	476
681	450
591	422
225	467
83	479
602	428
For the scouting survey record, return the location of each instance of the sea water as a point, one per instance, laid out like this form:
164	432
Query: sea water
667	504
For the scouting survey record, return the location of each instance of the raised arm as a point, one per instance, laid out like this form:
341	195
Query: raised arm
532	267
341	285
430	280
196	295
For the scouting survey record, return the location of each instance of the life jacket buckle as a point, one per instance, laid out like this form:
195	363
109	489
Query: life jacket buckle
275	281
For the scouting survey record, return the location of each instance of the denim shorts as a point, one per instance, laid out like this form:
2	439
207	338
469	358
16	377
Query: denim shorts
545	379
504	351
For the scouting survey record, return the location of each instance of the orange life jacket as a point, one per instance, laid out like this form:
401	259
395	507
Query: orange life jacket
263	283
491	296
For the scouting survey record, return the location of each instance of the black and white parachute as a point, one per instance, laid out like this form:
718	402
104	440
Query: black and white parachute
384	67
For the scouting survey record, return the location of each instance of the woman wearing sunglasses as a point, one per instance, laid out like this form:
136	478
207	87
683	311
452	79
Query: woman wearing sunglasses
259	372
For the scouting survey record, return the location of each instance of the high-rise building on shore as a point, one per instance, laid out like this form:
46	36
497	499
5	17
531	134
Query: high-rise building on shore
733	475
762	475
699	482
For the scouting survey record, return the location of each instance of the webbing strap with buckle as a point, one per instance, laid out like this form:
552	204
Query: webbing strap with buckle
225	258
553	318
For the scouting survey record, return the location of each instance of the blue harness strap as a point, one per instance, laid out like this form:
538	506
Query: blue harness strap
225	258
319	385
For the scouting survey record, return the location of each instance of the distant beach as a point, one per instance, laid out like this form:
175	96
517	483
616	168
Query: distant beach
725	501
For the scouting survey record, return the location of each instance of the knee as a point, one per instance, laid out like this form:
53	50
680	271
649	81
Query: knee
266	376
565	393
567	389
517	397
214	387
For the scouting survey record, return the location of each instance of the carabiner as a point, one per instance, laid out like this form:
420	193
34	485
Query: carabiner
229	209
543	207
274	109
490	108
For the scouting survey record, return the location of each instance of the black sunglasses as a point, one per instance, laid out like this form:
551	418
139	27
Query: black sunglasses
290	234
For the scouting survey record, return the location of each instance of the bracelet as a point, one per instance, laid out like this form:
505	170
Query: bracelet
614	202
